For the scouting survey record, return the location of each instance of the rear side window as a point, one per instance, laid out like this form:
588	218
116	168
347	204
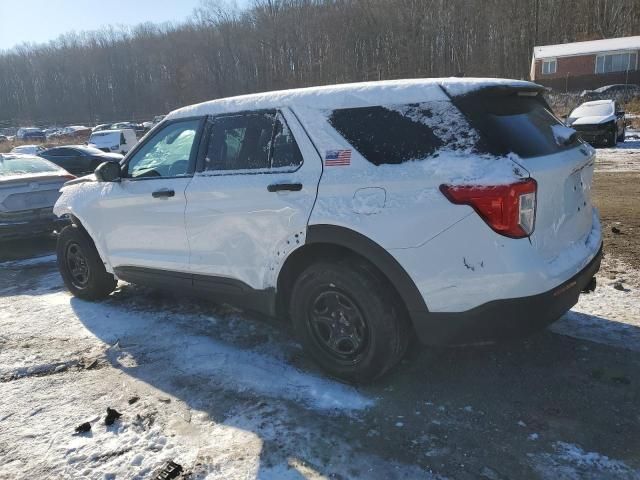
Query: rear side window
384	136
514	123
251	141
400	133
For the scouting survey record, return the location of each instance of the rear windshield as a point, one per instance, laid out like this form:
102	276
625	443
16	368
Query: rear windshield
514	123
24	166
593	110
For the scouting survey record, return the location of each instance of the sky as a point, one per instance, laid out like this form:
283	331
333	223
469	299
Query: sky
38	21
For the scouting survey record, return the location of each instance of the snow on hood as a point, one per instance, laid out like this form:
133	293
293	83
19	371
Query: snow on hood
351	95
592	120
87	178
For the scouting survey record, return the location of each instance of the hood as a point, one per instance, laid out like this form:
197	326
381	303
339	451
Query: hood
87	178
594	120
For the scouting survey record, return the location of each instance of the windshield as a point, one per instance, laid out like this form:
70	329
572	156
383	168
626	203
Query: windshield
25	165
593	110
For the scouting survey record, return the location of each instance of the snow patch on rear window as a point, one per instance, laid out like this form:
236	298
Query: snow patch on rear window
446	122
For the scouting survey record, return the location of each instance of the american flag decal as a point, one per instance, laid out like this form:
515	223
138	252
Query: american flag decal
337	158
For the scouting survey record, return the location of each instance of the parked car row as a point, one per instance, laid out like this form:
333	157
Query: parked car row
139	128
75	131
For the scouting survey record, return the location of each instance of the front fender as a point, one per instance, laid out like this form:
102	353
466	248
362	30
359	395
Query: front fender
74	202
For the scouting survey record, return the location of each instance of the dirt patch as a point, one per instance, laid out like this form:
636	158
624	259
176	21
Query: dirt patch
617	196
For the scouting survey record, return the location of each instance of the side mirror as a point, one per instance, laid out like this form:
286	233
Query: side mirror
108	172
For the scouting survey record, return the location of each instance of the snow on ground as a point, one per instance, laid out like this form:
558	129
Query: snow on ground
570	462
624	158
608	315
172	356
225	397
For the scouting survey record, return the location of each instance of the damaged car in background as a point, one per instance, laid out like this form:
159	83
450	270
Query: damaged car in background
29	187
601	122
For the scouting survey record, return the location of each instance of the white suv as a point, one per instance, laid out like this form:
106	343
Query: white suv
453	210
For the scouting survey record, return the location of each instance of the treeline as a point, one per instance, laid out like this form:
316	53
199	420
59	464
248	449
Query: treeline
121	74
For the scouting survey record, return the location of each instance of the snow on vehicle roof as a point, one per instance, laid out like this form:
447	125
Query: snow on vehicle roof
350	95
583	48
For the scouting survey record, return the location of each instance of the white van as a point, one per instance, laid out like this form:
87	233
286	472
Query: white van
114	141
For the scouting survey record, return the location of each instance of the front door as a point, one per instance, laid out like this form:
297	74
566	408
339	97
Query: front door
142	216
250	201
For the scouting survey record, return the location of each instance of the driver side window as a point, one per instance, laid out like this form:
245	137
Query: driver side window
167	153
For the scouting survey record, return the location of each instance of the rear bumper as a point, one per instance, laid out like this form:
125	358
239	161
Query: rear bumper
503	319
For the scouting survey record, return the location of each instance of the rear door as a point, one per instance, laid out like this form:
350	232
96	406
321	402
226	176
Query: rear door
250	201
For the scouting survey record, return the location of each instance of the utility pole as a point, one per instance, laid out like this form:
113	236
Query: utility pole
537	13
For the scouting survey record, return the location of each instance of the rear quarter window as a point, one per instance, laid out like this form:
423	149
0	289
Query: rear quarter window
396	134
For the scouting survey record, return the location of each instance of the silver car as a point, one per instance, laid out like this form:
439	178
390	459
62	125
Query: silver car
29	187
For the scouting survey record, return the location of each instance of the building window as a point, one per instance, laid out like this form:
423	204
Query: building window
549	66
617	62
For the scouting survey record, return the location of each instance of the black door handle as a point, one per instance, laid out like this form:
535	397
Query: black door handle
164	193
281	187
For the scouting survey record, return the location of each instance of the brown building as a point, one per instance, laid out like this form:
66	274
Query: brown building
587	65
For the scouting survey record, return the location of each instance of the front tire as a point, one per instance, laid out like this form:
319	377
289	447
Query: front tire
348	321
81	266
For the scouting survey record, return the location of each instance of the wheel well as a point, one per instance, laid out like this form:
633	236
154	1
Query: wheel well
76	221
308	254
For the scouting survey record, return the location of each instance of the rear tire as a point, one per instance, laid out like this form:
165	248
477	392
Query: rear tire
348	320
81	266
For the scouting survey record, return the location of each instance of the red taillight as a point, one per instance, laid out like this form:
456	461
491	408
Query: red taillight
507	209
